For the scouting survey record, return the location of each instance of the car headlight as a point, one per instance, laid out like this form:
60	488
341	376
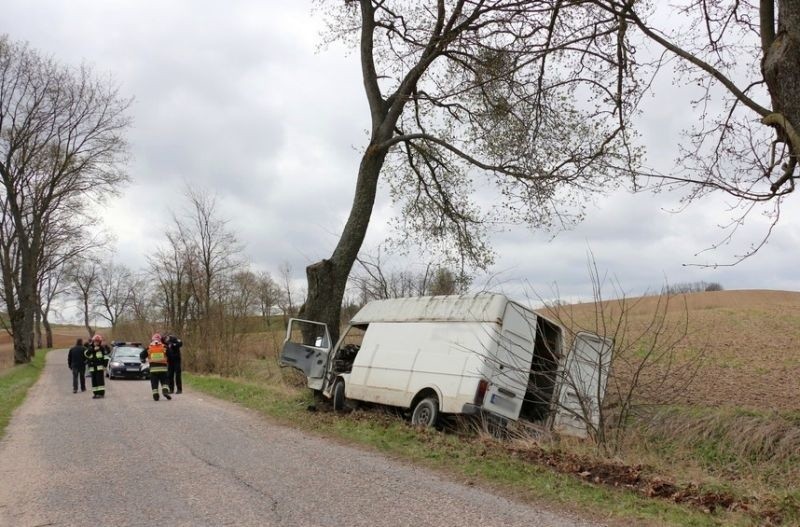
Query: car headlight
116	364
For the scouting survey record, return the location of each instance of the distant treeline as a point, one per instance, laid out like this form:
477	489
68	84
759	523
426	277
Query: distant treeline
690	287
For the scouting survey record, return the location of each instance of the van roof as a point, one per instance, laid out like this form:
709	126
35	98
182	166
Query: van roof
481	307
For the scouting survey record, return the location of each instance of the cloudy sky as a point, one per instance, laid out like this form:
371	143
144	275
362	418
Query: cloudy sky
237	99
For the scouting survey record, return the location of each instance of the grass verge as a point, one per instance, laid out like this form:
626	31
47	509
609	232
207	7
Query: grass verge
14	384
472	460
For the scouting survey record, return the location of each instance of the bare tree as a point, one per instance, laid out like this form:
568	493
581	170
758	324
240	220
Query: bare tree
195	273
286	302
639	361
113	289
170	270
61	146
376	279
269	295
53	284
142	301
212	249
83	275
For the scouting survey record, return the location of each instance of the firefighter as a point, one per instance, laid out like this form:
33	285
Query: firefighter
97	360
156	354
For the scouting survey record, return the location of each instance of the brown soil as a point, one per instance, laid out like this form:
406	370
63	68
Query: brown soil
63	337
749	343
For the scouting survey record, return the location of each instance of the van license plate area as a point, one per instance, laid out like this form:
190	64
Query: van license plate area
502	402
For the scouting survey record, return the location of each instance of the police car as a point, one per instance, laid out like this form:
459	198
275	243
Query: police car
124	361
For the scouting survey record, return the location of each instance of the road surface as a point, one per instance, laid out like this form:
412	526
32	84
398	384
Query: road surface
127	460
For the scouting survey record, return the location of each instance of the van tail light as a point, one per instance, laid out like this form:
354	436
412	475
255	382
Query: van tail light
483	385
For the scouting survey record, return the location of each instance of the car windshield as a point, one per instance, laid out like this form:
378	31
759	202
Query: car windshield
127	353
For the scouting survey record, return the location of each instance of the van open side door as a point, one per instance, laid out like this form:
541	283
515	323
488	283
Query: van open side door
583	385
307	347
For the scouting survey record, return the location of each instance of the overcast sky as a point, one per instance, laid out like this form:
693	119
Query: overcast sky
235	98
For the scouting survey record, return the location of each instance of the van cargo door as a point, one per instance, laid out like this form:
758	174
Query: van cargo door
306	348
510	362
583	385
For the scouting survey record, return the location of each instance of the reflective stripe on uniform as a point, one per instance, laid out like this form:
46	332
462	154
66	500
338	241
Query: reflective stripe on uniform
155	390
158	369
98	388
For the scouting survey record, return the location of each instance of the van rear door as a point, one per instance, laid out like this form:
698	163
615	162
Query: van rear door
510	362
307	347
583	385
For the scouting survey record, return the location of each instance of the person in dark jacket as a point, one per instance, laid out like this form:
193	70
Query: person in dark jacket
76	361
97	359
174	345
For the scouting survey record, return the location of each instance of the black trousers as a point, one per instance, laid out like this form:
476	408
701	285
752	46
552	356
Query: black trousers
174	376
79	372
156	378
98	383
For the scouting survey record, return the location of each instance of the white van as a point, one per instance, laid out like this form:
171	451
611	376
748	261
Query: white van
464	354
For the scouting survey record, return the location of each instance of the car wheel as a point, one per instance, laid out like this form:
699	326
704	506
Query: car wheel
339	400
426	412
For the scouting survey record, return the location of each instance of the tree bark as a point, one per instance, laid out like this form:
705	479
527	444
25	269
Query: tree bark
37	328
86	317
327	279
781	65
23	319
48	331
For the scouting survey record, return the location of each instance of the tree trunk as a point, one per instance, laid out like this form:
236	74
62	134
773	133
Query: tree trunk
22	322
86	317
48	331
37	328
781	64
327	279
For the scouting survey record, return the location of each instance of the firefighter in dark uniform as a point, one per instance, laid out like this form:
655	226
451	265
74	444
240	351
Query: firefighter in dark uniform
174	345
97	360
156	355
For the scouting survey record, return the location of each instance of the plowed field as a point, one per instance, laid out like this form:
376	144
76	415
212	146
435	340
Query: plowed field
748	341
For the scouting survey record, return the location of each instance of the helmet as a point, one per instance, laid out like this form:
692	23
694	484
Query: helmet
156	337
97	338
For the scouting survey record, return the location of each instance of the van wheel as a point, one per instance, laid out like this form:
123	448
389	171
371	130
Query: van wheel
339	400
426	413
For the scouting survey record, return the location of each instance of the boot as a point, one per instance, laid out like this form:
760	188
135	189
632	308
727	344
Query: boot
155	397
166	394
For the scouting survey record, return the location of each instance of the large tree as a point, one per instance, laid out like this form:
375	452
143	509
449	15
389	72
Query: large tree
461	88
492	111
61	149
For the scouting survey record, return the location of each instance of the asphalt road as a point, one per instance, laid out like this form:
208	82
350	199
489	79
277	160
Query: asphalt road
127	460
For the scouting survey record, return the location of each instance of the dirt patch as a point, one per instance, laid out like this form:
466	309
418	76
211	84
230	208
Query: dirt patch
639	479
63	337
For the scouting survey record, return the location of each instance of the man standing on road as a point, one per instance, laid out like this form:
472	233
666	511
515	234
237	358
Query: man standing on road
174	344
96	359
156	354
76	361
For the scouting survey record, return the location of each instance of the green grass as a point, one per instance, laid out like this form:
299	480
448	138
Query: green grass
14	384
471	459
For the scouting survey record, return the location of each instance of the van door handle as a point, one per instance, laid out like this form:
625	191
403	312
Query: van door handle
506	392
